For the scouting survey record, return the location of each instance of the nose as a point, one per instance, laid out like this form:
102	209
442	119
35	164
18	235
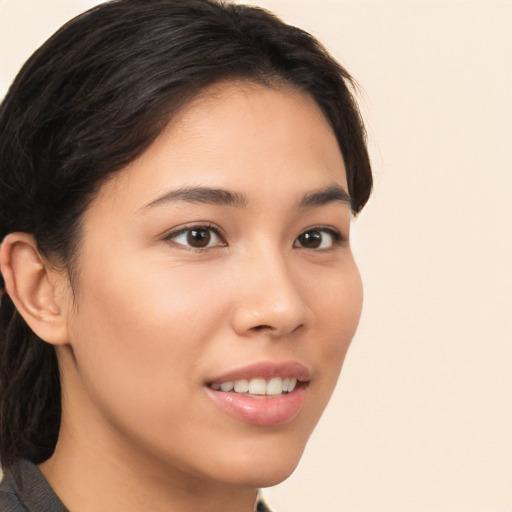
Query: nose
268	299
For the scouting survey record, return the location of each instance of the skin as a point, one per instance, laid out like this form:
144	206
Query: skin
153	319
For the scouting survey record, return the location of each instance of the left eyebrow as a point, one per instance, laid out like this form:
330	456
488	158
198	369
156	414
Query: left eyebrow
201	195
330	193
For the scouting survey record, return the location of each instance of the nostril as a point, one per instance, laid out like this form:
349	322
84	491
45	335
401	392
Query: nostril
261	327
272	330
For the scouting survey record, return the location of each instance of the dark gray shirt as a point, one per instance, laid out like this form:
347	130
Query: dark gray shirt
25	489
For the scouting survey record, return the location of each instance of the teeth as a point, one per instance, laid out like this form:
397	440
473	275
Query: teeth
226	386
257	387
273	387
241	386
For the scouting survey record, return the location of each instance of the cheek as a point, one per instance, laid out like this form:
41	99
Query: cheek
337	312
342	313
337	298
138	337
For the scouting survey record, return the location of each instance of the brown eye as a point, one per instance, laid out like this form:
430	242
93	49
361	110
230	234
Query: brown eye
310	239
317	239
200	237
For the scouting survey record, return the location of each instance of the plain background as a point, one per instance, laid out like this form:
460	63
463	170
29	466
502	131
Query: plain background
422	418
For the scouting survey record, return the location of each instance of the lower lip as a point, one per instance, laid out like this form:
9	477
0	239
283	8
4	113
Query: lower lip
264	411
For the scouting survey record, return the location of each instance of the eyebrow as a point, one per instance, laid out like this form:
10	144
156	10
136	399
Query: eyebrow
201	195
330	193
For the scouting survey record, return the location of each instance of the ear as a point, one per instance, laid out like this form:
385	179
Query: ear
32	285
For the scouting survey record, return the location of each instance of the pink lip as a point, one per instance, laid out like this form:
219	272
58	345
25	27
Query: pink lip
262	410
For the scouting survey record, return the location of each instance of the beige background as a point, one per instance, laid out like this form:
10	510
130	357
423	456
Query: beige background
422	419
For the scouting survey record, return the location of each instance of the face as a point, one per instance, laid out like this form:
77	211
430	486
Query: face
216	291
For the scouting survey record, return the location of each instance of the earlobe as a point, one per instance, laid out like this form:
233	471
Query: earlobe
30	284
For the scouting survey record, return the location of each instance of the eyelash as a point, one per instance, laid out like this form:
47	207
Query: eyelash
170	237
337	238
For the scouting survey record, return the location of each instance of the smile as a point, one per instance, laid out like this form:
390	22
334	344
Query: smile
263	394
257	387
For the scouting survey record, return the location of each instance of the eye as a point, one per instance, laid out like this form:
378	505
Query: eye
197	237
318	239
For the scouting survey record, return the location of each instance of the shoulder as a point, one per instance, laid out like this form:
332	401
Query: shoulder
9	499
25	489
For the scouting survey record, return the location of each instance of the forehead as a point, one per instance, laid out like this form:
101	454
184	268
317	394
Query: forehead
239	135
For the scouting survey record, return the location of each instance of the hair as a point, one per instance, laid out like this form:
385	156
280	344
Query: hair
91	100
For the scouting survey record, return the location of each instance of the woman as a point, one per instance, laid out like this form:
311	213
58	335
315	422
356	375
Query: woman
177	183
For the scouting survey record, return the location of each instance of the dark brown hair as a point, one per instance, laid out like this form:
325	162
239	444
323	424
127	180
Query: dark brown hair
92	99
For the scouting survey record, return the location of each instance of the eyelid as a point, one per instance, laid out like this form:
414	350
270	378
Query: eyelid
207	226
338	237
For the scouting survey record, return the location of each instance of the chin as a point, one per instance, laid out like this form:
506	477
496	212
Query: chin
267	466
271	476
266	475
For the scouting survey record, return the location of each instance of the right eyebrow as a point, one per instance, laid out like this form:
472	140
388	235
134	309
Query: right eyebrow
209	195
331	193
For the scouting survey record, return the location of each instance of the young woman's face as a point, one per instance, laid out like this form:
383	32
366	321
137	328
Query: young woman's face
218	259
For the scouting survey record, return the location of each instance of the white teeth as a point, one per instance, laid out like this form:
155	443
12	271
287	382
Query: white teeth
257	386
241	386
273	387
226	386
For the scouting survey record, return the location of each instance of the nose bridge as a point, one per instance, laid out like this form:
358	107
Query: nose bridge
269	296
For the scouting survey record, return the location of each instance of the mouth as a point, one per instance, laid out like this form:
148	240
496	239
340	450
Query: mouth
263	394
258	387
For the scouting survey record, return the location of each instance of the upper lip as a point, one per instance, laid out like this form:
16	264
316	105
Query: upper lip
265	370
